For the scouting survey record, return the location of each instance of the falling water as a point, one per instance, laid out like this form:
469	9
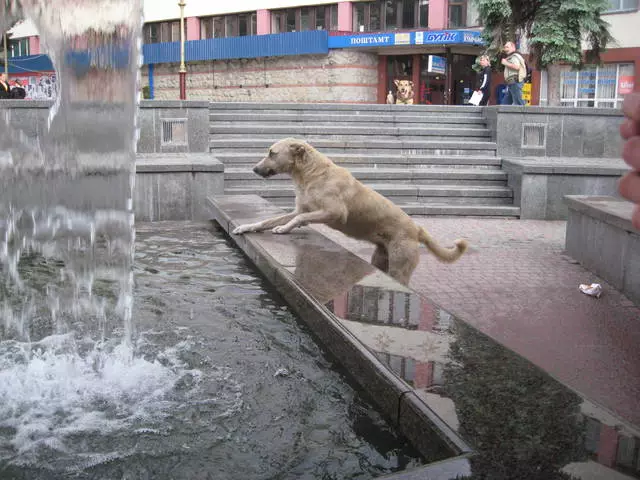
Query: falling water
67	233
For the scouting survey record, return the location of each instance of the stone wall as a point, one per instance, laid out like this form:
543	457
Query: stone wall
600	236
342	76
555	131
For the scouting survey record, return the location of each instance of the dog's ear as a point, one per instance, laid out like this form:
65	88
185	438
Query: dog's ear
410	83
396	82
298	151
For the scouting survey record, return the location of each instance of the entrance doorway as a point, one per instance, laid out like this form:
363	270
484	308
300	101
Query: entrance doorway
464	78
440	78
399	67
433	80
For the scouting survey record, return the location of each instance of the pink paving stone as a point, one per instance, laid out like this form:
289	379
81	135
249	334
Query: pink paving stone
519	287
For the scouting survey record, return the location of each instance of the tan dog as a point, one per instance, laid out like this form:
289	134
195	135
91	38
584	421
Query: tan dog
329	194
404	91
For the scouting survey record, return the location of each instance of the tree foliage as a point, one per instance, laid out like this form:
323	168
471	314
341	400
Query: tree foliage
555	29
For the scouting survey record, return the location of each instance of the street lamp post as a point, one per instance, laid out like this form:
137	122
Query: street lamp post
183	68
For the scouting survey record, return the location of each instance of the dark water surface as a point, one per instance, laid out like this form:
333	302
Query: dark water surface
225	384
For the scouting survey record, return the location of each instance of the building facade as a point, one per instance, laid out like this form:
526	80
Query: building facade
360	51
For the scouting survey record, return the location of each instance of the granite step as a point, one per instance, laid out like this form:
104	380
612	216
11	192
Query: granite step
373	160
238	177
401	193
347	132
333	146
353	109
347	118
435	208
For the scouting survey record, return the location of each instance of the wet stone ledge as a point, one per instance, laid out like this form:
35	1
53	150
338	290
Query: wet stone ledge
473	408
175	186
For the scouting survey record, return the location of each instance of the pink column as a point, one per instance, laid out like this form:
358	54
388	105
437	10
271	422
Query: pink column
192	24
34	45
263	22
438	14
345	17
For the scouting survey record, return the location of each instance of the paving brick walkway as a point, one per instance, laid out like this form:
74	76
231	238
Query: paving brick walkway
517	285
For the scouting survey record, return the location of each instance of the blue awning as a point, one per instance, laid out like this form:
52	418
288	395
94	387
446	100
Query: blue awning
28	64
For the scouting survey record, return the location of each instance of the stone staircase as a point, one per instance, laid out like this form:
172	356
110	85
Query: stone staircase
430	160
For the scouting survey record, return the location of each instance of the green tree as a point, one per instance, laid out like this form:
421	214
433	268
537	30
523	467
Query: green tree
556	30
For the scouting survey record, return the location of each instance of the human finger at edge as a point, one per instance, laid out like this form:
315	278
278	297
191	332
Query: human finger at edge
635	219
631	106
629	186
629	129
631	152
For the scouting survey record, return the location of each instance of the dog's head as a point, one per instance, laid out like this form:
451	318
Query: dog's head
404	88
283	157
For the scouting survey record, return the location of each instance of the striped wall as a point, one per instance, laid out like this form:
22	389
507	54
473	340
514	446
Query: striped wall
340	76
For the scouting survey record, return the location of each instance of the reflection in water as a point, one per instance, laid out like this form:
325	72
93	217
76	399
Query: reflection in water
523	423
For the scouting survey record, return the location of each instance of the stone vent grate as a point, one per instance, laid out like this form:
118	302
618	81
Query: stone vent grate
534	135
174	131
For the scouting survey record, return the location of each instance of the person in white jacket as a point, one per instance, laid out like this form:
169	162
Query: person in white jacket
484	80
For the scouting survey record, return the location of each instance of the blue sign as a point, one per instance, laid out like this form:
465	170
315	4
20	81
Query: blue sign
390	39
437	65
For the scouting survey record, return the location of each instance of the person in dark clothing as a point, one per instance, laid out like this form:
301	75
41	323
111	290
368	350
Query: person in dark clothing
484	80
17	91
5	90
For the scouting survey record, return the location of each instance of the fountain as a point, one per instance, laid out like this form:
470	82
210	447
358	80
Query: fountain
181	382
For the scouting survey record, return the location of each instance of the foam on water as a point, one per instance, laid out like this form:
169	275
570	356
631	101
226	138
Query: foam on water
53	390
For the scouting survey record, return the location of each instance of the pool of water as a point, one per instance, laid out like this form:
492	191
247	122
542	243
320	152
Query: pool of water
222	382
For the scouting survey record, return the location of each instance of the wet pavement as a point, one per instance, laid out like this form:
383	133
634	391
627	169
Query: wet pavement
559	401
518	286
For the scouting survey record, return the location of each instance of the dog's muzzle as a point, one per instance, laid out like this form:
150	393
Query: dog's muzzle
264	172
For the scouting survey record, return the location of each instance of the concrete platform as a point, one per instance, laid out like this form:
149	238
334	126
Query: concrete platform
448	388
540	183
601	237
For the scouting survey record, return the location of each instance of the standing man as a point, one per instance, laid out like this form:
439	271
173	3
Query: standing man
515	71
484	80
5	90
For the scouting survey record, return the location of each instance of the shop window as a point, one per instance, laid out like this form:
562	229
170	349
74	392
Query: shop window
596	86
160	32
622	6
390	15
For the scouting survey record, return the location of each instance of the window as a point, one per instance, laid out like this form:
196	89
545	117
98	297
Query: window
622	6
596	86
306	18
457	13
160	32
390	15
18	47
228	26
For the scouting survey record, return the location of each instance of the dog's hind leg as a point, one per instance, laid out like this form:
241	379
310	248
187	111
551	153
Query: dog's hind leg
403	259
380	258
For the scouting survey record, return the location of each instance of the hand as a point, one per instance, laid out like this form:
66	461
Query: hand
504	61
630	131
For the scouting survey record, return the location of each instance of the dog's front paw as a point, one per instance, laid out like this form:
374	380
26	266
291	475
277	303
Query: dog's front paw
280	230
243	229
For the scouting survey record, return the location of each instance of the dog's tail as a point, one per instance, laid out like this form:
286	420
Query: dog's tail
447	255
